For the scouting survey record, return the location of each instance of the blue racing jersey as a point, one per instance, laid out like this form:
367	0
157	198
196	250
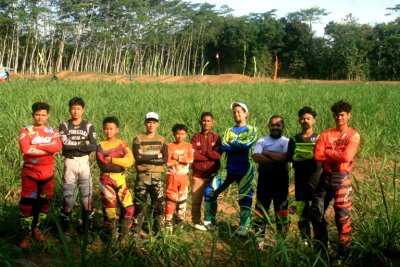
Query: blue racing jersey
237	143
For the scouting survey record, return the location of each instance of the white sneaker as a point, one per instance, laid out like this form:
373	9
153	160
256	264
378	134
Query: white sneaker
210	226
242	230
206	225
200	226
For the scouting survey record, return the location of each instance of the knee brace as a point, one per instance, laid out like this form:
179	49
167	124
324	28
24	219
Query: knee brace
26	222
41	219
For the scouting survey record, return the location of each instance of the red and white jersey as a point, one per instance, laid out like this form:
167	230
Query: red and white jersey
38	147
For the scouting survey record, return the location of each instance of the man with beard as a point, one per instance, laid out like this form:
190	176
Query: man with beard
270	153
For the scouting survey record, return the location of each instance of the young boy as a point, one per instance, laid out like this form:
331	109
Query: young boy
237	143
206	164
270	152
306	170
113	156
151	154
38	143
180	155
79	140
335	150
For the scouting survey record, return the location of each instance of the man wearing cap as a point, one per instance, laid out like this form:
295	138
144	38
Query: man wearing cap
237	143
151	153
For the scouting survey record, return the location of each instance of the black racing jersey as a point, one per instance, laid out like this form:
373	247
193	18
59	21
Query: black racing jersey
75	137
301	153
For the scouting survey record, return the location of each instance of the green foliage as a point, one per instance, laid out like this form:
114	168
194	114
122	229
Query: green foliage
161	37
378	220
376	116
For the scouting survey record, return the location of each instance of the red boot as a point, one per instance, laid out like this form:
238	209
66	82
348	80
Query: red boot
38	235
24	243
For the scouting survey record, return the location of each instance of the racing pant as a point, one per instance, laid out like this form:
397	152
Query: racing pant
303	194
246	190
273	185
114	192
336	186
149	184
198	186
177	191
76	174
34	203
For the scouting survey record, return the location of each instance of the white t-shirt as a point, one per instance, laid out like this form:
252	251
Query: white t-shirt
267	143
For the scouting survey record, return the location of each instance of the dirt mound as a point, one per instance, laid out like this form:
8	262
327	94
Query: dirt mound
204	79
84	76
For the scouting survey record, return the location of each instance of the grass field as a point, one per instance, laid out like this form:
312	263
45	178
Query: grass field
376	214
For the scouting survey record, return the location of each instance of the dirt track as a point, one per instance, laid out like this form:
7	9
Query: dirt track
198	79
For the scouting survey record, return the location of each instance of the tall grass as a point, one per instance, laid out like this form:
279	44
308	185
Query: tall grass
378	215
376	115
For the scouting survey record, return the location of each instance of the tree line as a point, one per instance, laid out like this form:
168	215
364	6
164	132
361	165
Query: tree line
159	37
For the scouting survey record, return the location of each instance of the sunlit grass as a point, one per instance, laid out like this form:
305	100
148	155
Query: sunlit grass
376	115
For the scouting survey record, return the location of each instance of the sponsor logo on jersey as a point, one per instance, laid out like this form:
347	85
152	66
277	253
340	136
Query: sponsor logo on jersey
41	140
48	130
77	132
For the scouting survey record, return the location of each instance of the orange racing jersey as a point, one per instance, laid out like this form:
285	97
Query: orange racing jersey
336	150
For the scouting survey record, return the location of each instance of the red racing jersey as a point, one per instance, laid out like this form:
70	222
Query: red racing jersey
38	147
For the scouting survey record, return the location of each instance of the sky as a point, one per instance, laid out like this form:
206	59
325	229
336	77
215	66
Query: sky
367	11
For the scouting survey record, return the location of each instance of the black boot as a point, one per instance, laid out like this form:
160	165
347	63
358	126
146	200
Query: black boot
305	229
108	231
138	225
157	224
124	227
66	223
87	222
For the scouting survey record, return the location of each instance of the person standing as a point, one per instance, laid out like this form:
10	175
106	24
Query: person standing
306	170
237	143
335	150
207	154
151	155
113	157
270	152
180	156
79	140
38	143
